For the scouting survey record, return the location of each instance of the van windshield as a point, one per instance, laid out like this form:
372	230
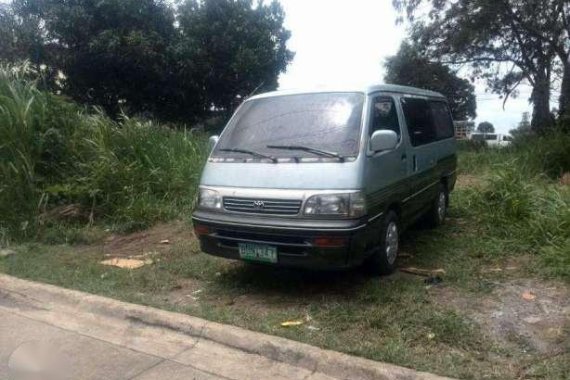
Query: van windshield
329	122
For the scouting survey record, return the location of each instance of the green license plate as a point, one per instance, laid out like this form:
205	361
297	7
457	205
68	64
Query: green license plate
259	253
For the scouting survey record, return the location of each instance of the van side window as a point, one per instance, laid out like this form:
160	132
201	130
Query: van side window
384	115
442	120
419	120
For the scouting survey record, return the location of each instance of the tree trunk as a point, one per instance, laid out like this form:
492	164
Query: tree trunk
542	119
565	91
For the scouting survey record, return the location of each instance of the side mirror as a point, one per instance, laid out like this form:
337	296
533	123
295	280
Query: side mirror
383	140
213	141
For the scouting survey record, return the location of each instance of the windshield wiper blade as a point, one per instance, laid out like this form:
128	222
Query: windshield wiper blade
252	153
310	150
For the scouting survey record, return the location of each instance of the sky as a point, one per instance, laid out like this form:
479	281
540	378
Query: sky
345	42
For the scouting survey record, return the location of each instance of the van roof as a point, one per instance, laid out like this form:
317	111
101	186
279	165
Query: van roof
367	90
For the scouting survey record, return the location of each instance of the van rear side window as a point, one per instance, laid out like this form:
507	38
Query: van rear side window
428	121
442	120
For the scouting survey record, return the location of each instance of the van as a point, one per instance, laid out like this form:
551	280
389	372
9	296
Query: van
492	140
326	179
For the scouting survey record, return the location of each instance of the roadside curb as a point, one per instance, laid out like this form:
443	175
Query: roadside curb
301	355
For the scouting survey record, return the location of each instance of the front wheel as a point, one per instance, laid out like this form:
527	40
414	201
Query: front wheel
383	262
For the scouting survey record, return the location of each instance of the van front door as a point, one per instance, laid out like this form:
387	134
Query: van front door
386	172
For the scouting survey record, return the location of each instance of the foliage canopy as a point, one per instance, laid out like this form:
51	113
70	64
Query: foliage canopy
506	42
147	57
409	68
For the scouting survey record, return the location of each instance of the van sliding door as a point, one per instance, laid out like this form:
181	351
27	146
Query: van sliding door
423	157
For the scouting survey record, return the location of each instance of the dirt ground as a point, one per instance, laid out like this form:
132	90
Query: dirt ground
524	314
155	240
527	315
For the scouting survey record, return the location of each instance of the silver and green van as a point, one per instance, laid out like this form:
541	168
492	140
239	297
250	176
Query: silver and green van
326	179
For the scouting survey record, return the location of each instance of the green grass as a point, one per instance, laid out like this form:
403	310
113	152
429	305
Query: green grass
529	213
126	174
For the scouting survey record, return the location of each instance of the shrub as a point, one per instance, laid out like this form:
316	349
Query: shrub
549	154
54	153
530	214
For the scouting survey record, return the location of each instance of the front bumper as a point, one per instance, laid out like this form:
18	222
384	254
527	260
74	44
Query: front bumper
299	242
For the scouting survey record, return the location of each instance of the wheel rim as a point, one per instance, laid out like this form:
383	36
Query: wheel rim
441	206
392	242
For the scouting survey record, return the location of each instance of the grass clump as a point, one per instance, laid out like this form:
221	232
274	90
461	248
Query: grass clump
61	163
533	155
521	201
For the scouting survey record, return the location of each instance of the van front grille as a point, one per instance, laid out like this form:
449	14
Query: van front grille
263	206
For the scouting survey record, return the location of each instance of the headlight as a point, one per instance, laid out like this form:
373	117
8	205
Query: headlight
209	199
347	205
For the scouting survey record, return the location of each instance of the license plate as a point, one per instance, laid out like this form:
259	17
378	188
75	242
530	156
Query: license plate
256	252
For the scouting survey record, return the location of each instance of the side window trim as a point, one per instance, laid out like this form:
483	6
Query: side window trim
429	102
450	116
374	99
409	125
396	98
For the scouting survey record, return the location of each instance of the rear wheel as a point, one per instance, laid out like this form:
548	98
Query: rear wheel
383	261
438	212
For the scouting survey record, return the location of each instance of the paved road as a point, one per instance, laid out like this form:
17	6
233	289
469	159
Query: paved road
93	347
73	335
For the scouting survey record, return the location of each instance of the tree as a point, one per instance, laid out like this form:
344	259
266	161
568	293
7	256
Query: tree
19	36
409	68
142	56
505	42
234	47
115	53
486	127
524	128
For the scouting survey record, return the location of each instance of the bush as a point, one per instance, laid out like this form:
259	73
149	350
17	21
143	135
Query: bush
533	155
471	145
548	155
529	213
54	153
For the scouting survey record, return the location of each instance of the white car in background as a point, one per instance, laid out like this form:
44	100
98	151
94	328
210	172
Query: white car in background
492	139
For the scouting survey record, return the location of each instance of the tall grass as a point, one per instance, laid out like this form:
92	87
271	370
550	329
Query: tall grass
547	155
56	154
521	201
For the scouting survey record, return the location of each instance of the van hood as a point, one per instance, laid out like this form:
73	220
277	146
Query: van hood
310	176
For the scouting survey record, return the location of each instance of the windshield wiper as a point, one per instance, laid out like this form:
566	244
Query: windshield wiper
252	153
318	152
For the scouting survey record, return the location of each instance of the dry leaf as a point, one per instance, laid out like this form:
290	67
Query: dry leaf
529	296
126	263
291	323
165	241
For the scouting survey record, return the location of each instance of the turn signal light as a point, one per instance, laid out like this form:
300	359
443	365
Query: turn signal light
200	230
330	242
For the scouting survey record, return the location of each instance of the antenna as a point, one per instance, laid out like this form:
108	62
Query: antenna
255	91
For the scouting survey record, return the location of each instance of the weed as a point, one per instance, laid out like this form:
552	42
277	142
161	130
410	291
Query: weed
128	173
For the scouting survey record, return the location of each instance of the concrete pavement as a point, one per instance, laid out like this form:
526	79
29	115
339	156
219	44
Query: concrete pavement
72	335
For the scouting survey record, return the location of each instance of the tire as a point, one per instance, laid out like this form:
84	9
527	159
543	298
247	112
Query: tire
438	211
383	261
